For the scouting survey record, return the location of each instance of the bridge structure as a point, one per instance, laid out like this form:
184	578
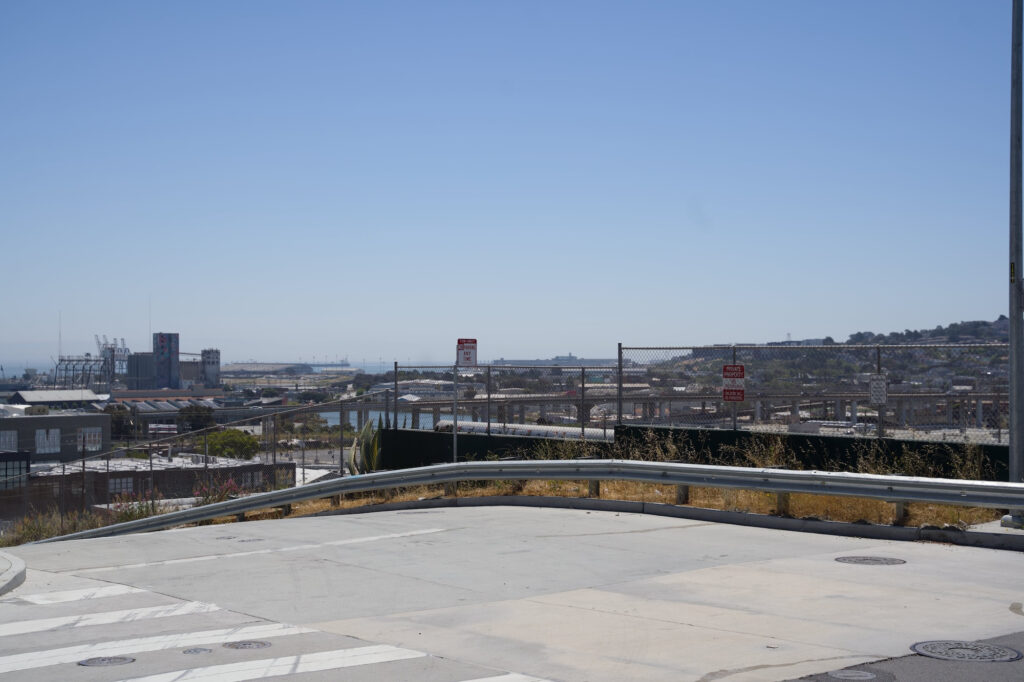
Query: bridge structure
951	411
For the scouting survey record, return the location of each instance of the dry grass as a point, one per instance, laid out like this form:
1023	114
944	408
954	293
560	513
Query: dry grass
769	452
941	461
824	507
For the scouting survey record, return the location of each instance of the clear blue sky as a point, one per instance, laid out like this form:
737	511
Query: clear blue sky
375	179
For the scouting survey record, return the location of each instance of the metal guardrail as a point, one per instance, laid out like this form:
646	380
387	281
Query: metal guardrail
996	495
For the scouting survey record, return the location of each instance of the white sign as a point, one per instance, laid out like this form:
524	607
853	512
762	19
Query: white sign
877	391
466	353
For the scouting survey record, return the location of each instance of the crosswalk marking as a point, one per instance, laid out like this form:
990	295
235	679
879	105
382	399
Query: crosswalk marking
235	555
76	595
511	677
72	654
287	665
106	618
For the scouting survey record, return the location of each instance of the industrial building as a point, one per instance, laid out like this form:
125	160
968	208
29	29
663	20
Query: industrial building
53	437
115	367
166	370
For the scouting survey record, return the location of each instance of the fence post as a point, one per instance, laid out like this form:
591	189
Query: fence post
618	419
583	403
341	441
455	413
880	410
83	473
63	472
735	406
488	400
396	395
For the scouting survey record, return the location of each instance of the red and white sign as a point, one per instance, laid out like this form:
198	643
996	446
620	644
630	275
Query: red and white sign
732	371
466	353
733	383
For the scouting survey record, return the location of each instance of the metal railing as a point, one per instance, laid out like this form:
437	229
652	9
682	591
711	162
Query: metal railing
995	495
935	392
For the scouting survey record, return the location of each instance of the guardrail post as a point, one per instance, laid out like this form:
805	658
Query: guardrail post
782	504
594	488
682	494
899	512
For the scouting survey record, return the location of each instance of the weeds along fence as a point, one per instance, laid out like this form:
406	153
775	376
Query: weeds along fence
953	393
205	463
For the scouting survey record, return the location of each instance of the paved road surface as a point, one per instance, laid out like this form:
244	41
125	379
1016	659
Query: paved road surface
505	595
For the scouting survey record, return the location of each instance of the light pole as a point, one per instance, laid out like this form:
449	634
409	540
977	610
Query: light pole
1015	519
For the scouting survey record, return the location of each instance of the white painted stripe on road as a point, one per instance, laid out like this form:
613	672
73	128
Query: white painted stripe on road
106	618
287	665
511	677
234	555
73	654
77	595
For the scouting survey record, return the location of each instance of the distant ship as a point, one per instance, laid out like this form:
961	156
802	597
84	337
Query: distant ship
12	383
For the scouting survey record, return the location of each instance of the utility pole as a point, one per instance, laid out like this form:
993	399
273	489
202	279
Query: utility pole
1015	519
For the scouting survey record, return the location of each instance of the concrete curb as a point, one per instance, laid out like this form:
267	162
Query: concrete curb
13	576
949	535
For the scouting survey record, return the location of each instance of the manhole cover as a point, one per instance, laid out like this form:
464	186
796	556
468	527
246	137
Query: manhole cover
870	560
107	660
966	651
247	644
197	650
852	675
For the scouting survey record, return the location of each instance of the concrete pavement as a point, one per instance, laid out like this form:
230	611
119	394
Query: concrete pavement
12	572
501	593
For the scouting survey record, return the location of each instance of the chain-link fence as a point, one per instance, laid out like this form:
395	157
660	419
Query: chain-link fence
178	458
953	393
534	400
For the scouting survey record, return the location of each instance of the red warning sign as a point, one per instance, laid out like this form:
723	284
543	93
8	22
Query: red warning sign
733	383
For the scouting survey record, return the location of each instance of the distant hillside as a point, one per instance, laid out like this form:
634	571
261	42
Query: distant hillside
978	331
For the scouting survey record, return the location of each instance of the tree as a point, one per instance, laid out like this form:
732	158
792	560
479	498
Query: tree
121	425
232	443
194	417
